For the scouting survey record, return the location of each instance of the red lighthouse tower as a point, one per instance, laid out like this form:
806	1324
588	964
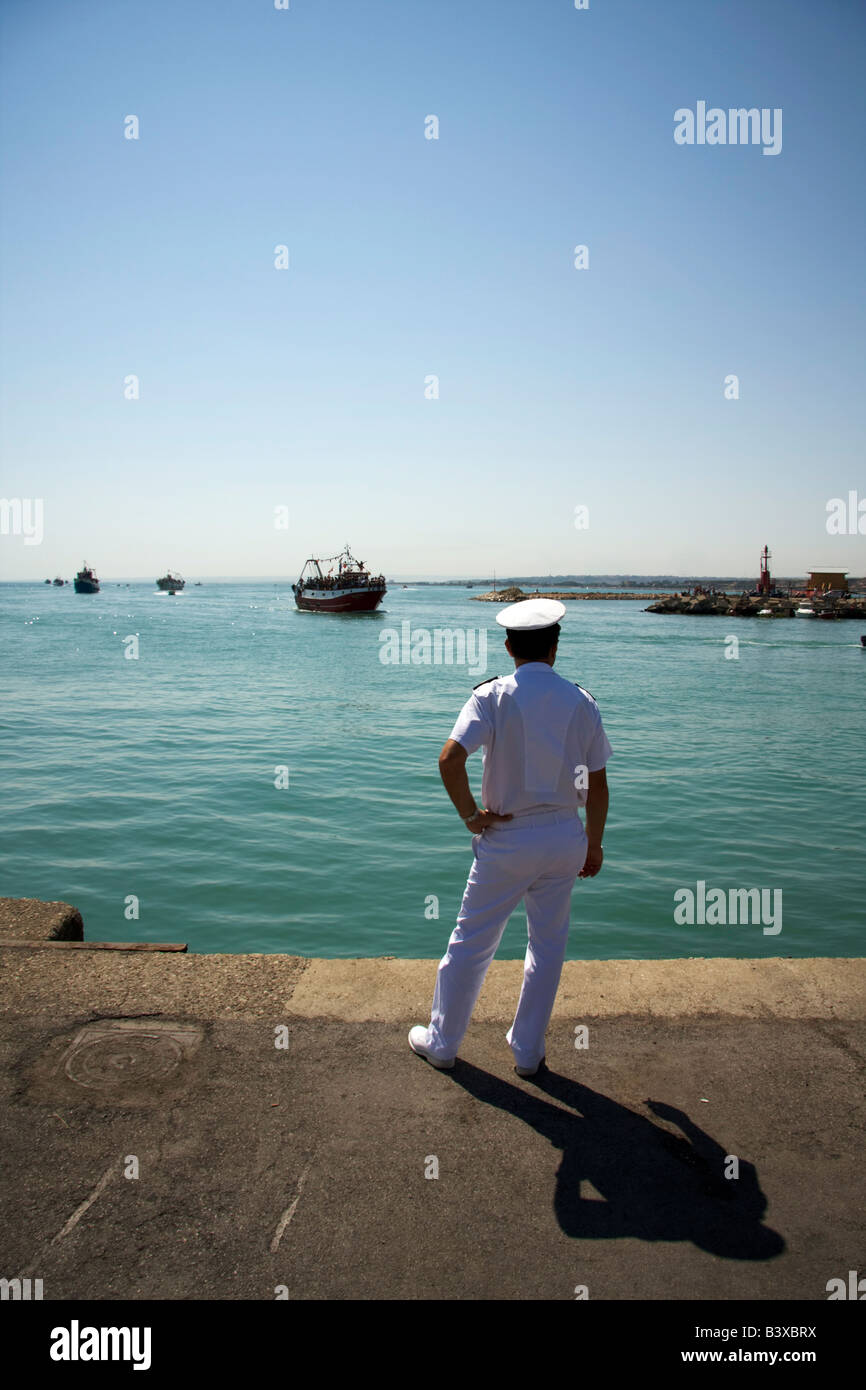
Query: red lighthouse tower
764	582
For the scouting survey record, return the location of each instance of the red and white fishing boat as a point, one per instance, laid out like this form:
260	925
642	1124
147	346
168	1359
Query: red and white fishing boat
350	588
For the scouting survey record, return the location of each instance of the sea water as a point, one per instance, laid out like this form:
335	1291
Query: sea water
221	769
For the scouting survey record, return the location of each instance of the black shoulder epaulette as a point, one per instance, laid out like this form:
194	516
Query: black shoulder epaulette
485	682
585	691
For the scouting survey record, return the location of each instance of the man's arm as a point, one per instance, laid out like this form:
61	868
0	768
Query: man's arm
452	769
597	801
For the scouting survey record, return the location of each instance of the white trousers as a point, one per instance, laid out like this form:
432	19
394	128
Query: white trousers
536	858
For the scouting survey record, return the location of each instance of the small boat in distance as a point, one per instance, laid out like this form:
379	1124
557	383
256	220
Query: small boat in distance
85	581
351	590
59	582
171	583
805	612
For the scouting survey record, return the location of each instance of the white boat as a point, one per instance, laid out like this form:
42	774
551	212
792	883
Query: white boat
765	613
804	612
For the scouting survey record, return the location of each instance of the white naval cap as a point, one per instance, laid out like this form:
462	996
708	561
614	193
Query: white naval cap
531	614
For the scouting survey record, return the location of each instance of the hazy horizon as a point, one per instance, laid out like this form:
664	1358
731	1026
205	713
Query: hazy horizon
398	578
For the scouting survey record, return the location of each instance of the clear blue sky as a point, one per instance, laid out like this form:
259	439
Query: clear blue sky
408	257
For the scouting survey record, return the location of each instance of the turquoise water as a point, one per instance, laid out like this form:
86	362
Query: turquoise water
155	777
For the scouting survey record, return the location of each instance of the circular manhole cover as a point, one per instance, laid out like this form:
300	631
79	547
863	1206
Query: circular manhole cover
113	1063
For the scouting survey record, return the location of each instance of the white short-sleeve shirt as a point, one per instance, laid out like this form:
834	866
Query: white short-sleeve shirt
540	734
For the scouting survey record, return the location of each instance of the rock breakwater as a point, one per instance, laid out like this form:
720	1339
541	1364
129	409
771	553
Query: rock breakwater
515	595
758	605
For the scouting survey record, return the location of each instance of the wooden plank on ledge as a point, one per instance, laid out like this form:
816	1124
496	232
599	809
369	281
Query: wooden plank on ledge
95	945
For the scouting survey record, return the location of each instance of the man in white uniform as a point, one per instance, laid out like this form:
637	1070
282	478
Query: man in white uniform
545	751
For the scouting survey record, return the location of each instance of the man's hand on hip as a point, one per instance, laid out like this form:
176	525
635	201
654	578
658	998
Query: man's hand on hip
592	862
482	819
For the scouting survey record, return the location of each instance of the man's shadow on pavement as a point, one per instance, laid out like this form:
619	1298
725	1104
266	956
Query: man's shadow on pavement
656	1185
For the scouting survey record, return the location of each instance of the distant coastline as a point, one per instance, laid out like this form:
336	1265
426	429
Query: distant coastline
564	586
607	582
515	595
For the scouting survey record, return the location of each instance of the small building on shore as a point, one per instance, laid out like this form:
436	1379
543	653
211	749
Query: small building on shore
827	581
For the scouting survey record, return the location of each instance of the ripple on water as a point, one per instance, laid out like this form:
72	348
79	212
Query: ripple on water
154	778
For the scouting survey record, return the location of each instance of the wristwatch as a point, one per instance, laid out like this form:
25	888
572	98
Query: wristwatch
467	819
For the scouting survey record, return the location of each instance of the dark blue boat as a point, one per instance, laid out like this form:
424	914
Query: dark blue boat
86	582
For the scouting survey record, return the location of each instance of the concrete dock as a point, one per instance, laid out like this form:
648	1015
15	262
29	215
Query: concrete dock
255	1126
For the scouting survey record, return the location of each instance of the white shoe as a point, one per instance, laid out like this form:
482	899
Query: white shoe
418	1043
529	1071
